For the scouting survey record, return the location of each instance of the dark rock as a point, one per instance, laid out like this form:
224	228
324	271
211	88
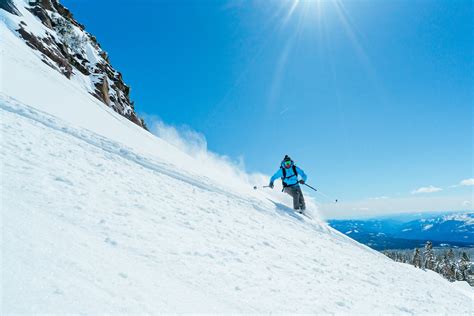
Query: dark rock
42	15
102	91
67	54
46	4
42	46
8	6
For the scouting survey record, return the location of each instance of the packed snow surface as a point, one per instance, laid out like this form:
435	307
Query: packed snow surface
99	216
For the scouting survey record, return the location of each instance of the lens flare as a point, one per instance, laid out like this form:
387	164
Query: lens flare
313	20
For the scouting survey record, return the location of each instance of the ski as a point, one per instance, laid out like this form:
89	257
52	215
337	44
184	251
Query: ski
304	214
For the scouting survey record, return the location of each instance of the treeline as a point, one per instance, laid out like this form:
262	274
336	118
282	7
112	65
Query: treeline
452	265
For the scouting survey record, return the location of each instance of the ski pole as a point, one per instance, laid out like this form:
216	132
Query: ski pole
262	187
327	196
335	200
310	187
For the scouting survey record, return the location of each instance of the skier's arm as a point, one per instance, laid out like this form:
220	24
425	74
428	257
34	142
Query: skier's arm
302	174
277	175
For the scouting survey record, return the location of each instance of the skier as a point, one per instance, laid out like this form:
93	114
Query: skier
289	173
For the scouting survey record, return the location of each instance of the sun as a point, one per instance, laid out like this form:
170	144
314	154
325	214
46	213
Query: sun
312	21
311	10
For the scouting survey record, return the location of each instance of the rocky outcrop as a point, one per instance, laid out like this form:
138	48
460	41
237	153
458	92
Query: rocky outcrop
50	49
8	6
64	45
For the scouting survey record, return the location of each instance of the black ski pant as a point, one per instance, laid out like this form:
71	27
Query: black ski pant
297	195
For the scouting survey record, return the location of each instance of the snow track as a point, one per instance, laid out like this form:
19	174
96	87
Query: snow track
108	146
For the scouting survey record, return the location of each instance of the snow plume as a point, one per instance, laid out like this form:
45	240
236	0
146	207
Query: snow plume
194	144
219	167
183	137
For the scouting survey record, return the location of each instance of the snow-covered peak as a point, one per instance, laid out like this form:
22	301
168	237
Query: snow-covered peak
51	31
467	218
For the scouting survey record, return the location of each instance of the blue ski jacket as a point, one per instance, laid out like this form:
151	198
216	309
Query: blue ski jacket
291	179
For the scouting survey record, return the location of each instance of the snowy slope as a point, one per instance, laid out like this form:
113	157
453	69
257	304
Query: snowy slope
99	216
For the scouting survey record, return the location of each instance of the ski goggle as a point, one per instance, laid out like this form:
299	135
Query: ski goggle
287	163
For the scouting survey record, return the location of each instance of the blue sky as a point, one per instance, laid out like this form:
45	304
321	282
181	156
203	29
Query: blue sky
373	99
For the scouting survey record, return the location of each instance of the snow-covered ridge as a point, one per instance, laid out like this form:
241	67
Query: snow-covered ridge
405	231
466	218
62	43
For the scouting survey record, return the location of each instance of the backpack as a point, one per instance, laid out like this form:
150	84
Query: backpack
285	177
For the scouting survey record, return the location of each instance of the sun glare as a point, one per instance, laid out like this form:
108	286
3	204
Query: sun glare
311	9
313	20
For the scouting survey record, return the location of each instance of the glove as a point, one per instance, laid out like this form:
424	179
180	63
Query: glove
301	181
271	185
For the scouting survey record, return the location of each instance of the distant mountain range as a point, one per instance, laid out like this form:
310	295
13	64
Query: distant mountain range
411	230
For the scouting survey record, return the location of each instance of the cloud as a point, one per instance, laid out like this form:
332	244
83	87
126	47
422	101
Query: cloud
357	209
360	209
379	198
467	182
430	189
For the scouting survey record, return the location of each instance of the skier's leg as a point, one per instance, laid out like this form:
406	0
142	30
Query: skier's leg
296	197
301	202
294	194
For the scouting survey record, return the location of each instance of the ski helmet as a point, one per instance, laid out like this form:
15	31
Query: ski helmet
287	162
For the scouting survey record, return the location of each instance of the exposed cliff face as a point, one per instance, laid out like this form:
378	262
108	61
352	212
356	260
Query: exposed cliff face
62	43
8	6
